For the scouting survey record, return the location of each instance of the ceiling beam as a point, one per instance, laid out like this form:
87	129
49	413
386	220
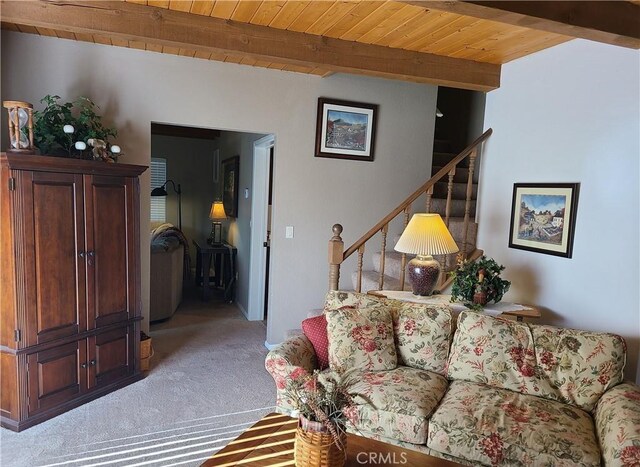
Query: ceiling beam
611	22
132	22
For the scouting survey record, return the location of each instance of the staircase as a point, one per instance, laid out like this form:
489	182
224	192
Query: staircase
451	192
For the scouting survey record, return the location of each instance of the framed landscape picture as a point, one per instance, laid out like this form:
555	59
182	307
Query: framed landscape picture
345	130
230	180
543	217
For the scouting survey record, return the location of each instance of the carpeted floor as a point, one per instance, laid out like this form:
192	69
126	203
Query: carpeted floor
206	385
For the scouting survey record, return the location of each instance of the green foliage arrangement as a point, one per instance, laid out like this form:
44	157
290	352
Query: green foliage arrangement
49	126
466	282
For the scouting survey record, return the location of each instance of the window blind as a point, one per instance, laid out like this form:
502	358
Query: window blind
158	178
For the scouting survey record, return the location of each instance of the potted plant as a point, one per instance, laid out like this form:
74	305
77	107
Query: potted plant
478	282
324	404
73	129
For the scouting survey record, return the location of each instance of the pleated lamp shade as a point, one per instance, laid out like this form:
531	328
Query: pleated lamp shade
425	235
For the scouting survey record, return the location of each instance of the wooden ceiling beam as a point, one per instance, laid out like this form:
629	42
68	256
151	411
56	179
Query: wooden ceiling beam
611	22
132	22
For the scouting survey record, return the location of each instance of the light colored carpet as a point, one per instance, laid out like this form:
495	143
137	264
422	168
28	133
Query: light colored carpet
206	385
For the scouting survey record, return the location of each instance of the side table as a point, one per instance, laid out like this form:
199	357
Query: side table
224	256
492	309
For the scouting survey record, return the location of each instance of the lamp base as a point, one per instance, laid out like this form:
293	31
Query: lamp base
424	272
215	237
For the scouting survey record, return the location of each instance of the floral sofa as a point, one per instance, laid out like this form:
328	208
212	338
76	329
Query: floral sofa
491	392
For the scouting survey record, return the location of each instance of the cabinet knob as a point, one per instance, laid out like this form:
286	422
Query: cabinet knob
84	365
81	254
91	253
92	363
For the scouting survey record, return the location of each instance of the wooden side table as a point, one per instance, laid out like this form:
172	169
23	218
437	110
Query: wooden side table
493	309
224	256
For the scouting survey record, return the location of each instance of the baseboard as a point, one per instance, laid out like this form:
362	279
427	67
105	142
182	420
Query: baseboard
270	346
241	308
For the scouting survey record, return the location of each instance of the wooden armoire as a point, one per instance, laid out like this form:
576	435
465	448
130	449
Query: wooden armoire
70	305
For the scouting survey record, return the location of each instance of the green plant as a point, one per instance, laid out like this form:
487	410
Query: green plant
466	281
49	123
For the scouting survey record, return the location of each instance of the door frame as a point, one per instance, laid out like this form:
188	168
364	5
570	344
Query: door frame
259	210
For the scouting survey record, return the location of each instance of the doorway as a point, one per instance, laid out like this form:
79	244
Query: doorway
262	212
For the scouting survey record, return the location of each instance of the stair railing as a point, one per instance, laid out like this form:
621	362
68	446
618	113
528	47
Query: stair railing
337	253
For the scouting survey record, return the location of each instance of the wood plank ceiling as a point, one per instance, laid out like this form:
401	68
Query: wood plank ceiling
383	23
444	42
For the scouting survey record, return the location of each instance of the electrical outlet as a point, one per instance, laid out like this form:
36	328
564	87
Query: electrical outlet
288	232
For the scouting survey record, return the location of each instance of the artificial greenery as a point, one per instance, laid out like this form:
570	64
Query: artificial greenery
48	125
466	283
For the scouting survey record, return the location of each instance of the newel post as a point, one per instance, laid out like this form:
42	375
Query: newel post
336	251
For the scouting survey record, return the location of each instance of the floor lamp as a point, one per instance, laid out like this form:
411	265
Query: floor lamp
161	191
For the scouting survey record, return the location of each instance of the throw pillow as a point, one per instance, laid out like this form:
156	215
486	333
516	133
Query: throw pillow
423	335
361	338
316	331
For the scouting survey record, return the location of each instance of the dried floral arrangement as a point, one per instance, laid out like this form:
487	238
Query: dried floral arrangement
325	402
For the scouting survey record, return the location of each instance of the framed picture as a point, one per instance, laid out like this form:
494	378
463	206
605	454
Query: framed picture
230	182
345	130
543	217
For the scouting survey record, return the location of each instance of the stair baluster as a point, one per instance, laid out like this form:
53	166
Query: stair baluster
429	194
360	255
336	252
403	262
447	211
383	251
467	204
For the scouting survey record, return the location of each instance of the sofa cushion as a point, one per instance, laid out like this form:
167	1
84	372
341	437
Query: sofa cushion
422	334
336	299
316	331
566	365
495	426
401	402
361	338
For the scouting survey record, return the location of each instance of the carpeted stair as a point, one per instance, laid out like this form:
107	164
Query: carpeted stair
393	259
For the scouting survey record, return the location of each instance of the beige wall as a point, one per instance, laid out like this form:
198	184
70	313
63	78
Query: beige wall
134	88
238	231
562	115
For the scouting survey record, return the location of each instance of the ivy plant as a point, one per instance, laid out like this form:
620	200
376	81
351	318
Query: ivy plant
466	283
48	125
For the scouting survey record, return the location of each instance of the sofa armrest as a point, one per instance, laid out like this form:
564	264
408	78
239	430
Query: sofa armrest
293	357
617	420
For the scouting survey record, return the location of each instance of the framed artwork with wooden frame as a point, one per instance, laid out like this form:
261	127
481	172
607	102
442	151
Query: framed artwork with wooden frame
230	182
345	129
543	217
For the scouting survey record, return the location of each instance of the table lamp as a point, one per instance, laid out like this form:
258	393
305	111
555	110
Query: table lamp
216	215
425	235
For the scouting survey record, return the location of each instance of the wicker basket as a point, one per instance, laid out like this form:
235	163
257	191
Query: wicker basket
146	352
319	450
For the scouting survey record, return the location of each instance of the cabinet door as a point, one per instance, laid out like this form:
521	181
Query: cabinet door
51	251
111	238
111	356
56	375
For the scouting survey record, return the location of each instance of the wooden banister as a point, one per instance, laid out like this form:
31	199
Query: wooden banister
416	194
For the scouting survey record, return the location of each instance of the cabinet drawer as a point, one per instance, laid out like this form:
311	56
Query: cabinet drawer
55	376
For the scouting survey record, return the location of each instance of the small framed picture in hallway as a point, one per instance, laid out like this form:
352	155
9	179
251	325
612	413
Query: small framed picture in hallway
231	179
543	217
345	129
